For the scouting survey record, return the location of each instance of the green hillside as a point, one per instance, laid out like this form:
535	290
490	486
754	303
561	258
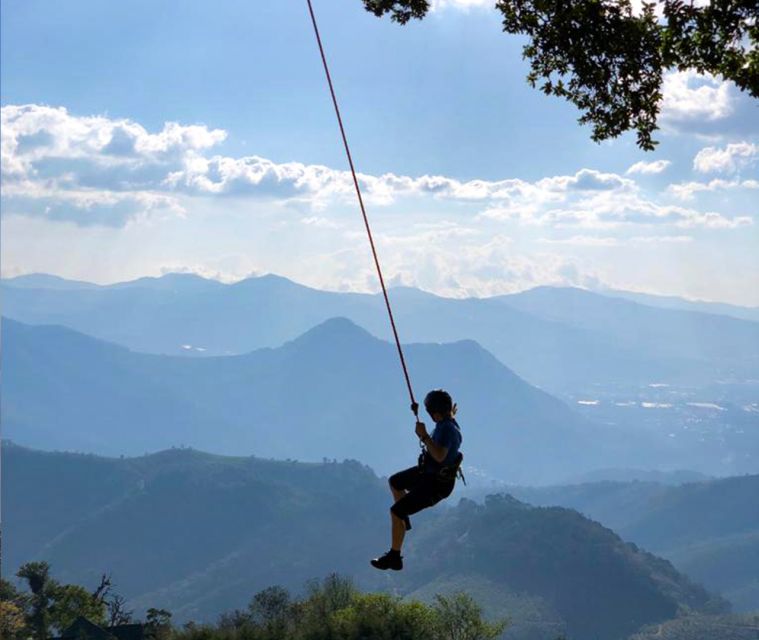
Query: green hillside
709	530
595	582
199	534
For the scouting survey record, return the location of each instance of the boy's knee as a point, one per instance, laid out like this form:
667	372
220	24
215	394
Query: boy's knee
397	512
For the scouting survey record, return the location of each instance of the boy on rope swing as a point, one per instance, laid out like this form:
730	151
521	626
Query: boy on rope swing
431	480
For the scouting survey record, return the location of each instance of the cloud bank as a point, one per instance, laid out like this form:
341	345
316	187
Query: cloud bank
95	170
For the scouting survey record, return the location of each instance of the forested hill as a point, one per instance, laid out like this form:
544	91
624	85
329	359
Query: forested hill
599	585
199	534
708	529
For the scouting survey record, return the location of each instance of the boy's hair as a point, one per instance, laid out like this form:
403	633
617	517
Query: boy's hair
438	401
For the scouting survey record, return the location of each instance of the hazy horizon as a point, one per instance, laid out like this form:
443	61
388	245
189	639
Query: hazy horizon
370	290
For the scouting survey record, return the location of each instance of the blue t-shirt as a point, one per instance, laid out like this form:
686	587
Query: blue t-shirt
447	434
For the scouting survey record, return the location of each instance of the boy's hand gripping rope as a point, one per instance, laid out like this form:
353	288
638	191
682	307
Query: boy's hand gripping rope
414	405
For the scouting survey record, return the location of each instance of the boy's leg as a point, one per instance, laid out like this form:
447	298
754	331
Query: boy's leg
400	484
398	528
397	493
425	494
392	559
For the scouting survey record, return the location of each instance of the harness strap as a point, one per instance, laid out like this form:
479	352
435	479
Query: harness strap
447	472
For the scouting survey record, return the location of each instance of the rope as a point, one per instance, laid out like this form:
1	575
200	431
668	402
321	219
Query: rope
414	405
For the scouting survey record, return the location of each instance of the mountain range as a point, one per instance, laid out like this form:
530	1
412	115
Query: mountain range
674	302
708	529
562	340
335	392
270	370
199	534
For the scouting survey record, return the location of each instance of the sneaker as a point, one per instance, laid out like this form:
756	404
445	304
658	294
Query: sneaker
391	560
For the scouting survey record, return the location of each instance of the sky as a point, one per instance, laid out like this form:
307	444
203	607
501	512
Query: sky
144	138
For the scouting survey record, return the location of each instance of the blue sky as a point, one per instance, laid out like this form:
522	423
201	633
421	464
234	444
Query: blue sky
476	183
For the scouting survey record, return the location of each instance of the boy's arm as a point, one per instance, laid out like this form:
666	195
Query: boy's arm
436	450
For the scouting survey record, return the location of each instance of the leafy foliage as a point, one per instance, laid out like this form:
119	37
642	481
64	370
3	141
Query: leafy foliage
51	606
271	609
13	623
70	601
158	623
334	609
598	56
400	11
461	618
37	576
608	60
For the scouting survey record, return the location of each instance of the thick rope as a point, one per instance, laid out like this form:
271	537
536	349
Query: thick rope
414	405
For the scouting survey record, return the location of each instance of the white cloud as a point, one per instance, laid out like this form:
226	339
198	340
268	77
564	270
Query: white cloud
583	241
482	266
90	208
320	222
613	210
656	166
208	272
728	160
65	167
654	240
587	180
34	132
687	190
614	241
689	96
688	219
90	170
437	5
223	175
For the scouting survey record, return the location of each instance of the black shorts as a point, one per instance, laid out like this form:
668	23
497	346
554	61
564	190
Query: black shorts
424	490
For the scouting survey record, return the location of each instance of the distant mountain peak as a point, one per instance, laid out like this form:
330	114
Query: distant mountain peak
338	328
267	279
191	281
271	277
552	289
405	291
47	281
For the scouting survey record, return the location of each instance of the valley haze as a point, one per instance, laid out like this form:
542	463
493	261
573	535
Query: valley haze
561	381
